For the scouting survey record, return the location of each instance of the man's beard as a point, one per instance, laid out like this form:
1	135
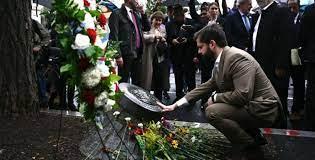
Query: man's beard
209	53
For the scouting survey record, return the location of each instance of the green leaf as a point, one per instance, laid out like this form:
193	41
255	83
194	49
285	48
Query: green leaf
99	124
116	106
66	68
114	78
141	142
95	13
64	42
89	52
82	108
80	15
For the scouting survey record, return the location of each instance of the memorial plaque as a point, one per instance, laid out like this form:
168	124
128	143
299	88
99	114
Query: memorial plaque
141	97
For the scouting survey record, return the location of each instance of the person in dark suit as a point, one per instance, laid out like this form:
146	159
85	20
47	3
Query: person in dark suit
271	46
308	49
238	26
170	14
244	98
182	51
296	67
127	25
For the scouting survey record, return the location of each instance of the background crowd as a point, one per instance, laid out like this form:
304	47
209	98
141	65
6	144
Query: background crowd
280	36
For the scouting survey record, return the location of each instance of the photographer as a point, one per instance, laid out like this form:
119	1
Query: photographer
182	50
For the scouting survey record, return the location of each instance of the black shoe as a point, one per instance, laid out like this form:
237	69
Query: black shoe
258	137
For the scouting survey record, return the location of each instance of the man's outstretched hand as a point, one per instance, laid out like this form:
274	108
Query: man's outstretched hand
167	108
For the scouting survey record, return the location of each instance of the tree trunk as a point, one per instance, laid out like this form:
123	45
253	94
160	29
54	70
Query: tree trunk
18	89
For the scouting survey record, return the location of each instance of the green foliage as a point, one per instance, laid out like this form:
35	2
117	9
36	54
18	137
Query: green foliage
65	68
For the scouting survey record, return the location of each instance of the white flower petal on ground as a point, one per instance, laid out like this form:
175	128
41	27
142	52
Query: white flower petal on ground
81	42
193	139
101	100
158	124
128	119
116	113
91	77
140	125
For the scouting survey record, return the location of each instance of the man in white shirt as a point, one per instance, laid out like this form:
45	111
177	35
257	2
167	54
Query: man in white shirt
244	100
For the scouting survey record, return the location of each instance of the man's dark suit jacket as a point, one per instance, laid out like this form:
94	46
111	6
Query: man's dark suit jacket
308	33
273	42
122	29
236	32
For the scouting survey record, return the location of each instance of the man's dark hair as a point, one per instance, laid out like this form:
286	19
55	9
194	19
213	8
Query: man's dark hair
170	8
212	32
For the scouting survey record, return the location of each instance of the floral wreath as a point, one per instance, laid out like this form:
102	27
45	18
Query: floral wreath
83	35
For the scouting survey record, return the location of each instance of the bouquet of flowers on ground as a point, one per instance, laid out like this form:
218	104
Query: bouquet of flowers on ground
163	141
83	35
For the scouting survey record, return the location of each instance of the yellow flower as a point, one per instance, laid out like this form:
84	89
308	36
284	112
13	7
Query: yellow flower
175	143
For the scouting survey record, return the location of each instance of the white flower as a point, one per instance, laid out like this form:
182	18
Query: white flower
100	65
110	102
80	4
101	100
193	139
113	64
92	4
128	119
81	42
88	22
109	105
107	108
99	42
116	113
91	77
158	124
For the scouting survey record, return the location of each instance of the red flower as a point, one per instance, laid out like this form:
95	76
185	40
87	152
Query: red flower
86	3
102	20
89	97
84	64
92	34
116	87
138	131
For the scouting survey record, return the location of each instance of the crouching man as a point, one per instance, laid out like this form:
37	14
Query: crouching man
244	98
